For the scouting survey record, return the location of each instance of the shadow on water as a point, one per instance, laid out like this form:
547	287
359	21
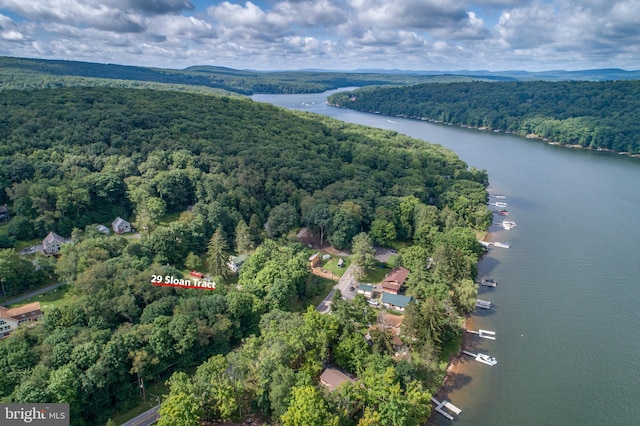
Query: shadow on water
487	265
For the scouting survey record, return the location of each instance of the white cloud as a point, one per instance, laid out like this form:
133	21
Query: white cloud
267	34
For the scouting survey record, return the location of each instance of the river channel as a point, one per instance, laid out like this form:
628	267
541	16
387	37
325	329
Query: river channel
565	310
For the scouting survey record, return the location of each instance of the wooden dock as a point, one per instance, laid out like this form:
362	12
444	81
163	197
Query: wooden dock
449	406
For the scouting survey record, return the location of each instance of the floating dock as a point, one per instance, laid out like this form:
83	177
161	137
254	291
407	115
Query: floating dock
485	334
484	304
449	406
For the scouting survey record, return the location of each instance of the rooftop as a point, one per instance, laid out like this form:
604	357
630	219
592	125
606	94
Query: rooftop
331	378
396	300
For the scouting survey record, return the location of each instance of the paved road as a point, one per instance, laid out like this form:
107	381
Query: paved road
31	294
344	283
147	418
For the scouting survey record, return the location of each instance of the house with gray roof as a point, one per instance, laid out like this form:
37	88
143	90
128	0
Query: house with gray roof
120	226
52	243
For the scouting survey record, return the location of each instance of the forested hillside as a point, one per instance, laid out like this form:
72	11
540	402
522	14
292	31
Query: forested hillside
22	73
603	115
71	158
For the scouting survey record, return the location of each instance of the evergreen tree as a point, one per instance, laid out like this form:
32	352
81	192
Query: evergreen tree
217	254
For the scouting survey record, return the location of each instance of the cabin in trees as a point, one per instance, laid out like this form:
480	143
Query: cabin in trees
10	319
236	262
394	280
331	378
120	226
4	213
397	302
52	243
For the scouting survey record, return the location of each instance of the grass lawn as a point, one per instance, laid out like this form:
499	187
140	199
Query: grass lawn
55	298
168	218
20	244
376	276
301	305
331	265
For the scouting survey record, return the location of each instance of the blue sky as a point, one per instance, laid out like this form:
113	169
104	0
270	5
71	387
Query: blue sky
331	34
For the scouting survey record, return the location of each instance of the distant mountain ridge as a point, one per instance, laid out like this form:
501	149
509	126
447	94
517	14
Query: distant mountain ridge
24	73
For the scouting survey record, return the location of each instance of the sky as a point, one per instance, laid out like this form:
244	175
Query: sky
428	35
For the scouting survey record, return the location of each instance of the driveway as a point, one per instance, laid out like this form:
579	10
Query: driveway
33	293
344	284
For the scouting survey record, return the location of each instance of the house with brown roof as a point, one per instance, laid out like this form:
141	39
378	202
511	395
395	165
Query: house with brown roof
10	319
394	280
331	378
52	243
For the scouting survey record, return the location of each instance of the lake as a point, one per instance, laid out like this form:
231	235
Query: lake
566	303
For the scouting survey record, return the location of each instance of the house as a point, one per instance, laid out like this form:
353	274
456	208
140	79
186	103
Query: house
397	302
367	290
52	243
103	229
120	226
394	280
236	262
314	260
10	319
331	378
4	213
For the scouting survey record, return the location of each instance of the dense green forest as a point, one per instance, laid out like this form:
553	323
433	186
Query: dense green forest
599	115
21	73
72	158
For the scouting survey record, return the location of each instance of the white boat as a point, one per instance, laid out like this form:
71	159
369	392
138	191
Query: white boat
501	197
500	204
488	282
501	245
508	224
486	359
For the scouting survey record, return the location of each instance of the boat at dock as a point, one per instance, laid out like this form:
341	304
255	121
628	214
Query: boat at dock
508	224
503	212
486	359
500	204
483	358
501	245
487	282
484	304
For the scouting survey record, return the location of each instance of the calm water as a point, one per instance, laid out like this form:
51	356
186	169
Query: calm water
566	306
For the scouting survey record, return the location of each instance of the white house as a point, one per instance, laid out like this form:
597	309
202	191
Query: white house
120	226
10	319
